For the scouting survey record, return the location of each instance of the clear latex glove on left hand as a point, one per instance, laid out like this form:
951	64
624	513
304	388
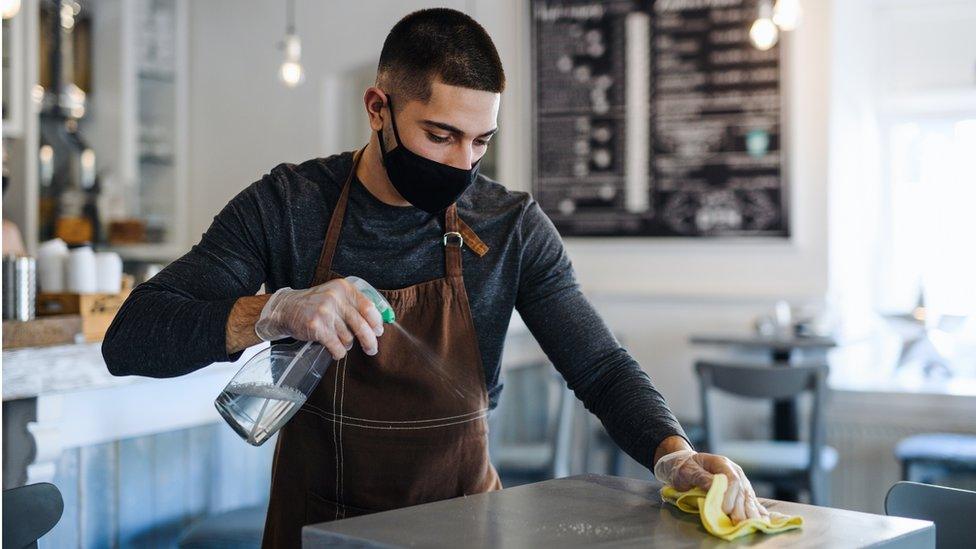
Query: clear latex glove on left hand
686	469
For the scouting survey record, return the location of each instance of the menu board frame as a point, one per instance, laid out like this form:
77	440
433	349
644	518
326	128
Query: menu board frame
710	208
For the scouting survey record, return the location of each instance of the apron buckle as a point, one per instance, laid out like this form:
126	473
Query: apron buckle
453	239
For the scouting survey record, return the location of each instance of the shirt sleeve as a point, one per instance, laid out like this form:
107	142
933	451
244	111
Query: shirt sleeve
600	372
175	323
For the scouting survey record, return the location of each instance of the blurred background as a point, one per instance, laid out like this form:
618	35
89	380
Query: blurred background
737	182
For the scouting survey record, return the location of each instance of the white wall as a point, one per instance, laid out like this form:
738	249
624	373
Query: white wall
654	293
243	121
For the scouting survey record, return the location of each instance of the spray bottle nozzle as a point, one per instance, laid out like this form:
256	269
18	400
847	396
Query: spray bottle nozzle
382	305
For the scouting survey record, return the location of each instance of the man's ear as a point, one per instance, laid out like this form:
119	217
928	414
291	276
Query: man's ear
374	100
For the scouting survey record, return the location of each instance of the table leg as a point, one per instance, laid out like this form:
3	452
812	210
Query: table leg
784	421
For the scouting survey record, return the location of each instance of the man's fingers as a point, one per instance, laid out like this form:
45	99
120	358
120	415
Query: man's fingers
752	507
731	494
368	311
345	336
321	329
738	480
333	345
739	510
366	336
365	308
704	480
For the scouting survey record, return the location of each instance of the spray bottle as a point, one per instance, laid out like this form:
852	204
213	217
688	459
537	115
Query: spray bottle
274	384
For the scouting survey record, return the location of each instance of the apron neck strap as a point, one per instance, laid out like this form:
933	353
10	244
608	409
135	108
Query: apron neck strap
452	246
324	265
452	242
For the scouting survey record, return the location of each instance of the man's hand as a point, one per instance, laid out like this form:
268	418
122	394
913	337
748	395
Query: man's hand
334	314
686	469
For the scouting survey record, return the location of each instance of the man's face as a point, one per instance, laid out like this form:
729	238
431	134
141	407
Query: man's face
453	128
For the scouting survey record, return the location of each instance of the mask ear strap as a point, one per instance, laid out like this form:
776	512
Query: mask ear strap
396	134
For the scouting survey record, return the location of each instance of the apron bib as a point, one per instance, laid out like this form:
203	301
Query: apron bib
403	427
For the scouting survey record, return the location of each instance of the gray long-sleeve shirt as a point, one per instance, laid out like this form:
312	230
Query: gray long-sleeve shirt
272	233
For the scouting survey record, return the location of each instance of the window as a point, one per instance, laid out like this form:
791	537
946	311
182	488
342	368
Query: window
930	215
902	219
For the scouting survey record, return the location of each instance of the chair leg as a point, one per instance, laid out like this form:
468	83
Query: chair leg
906	469
824	495
813	485
819	488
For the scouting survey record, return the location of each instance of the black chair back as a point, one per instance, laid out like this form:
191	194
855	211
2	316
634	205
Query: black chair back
952	510
761	381
29	512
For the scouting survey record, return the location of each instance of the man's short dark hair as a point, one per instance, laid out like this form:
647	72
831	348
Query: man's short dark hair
438	43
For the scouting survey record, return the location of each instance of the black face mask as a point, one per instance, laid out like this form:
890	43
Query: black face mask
428	185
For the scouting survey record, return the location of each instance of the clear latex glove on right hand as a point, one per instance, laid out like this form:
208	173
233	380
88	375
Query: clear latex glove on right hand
334	314
686	469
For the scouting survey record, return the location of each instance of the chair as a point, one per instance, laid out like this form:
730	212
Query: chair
29	512
787	465
532	428
236	529
952	510
928	457
617	458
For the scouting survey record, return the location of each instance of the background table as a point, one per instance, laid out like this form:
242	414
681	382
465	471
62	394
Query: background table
589	509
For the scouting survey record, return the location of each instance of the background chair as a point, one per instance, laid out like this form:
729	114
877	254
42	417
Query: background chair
532	429
785	464
29	512
929	457
617	460
952	510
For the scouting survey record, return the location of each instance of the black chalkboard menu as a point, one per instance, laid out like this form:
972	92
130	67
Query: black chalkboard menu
656	118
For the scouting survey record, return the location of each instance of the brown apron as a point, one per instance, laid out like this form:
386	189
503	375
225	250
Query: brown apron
403	427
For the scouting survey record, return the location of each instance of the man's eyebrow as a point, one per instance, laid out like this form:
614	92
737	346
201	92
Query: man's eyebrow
454	130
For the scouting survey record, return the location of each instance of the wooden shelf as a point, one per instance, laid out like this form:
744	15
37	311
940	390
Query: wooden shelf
41	332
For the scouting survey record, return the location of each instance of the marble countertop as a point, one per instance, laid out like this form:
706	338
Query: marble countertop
35	371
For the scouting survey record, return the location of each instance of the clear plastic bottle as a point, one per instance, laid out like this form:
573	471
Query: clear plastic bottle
274	384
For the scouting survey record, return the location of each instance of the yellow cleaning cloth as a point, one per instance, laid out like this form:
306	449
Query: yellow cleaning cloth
709	506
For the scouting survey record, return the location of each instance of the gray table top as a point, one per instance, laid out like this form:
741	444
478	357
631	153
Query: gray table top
593	509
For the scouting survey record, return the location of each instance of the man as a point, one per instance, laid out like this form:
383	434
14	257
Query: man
390	425
12	242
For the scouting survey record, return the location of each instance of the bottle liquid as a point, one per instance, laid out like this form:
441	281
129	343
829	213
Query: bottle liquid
274	384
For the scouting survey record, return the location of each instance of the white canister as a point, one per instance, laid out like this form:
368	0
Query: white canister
108	270
52	255
80	273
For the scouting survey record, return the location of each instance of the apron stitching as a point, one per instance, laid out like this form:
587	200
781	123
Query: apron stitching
342	457
335	444
481	411
389	427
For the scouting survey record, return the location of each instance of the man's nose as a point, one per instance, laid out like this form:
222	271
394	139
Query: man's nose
463	156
